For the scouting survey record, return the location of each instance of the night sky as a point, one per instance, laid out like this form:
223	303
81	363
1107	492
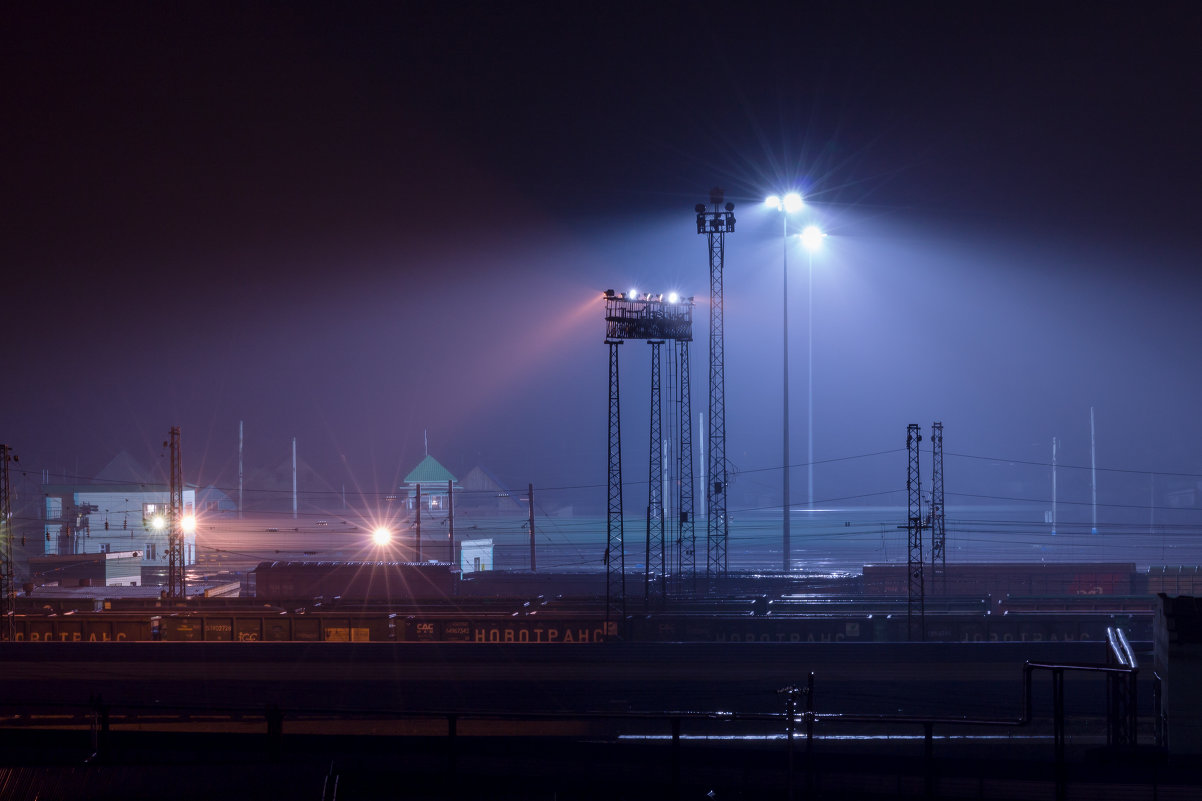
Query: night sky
362	224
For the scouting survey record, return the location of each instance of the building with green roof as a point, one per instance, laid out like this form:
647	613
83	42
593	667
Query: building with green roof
436	483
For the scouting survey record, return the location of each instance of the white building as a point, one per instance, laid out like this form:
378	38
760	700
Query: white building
111	517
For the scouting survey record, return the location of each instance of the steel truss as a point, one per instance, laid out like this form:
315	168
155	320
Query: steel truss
655	494
615	561
915	601
716	224
938	523
686	559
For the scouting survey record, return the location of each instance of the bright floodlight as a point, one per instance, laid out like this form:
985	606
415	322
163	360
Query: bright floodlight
772	201
633	294
811	237
188	524
793	202
157	522
381	536
673	297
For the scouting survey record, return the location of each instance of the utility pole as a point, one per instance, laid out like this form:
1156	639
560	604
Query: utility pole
530	497
8	592
451	521
294	504
1093	474
1055	445
176	590
418	525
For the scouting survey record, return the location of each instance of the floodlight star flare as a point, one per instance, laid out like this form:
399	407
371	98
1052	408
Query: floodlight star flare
811	237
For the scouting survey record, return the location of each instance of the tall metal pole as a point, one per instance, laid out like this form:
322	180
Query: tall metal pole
417	542
450	521
810	385
785	511
1093	474
239	469
294	500
530	497
1055	442
176	589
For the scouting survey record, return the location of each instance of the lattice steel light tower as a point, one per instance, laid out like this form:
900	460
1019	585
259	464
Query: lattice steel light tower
635	315
654	558
716	224
176	589
686	560
615	557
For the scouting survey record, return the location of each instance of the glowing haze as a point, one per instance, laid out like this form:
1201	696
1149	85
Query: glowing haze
372	232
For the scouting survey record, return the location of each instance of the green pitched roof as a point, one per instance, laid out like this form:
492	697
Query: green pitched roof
429	471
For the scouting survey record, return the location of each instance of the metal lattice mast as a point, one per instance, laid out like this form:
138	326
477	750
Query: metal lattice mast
8	592
915	600
686	566
176	590
615	567
715	225
655	478
938	524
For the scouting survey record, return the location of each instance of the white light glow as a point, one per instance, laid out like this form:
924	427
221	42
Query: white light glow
811	237
158	523
633	294
772	202
793	202
381	536
188	524
673	297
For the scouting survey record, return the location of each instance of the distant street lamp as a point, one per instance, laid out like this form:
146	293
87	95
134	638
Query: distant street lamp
789	204
811	238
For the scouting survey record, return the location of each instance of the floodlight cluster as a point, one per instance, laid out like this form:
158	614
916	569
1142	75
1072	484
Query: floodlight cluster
646	297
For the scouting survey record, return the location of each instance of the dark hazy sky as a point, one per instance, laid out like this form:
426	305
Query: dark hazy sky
354	223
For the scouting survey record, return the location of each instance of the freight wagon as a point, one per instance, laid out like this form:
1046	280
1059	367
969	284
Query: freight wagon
260	626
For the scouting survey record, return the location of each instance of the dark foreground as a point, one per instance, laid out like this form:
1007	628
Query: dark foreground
598	721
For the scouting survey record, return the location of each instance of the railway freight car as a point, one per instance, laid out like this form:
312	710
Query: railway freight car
335	626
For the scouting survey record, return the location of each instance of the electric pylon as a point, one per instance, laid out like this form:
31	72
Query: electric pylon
915	600
938	523
716	224
176	590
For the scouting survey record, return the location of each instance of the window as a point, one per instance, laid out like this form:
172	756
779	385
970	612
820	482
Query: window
150	550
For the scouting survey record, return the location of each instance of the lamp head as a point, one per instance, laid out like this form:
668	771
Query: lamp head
811	237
